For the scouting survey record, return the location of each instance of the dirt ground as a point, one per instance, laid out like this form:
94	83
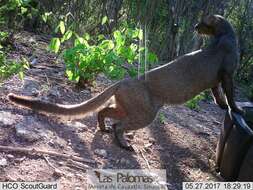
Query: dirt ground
180	140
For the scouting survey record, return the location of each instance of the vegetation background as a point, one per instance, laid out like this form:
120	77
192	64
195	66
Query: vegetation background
55	45
104	36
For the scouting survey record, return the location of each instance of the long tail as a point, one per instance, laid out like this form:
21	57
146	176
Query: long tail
65	110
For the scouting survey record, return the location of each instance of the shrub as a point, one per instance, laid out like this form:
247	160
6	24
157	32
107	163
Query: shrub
193	103
115	56
14	13
10	67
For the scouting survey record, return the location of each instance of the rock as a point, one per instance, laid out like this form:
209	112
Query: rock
79	176
8	119
201	133
31	87
10	156
159	148
79	126
124	161
130	135
69	142
61	163
69	175
101	152
150	140
29	130
57	173
85	92
3	162
20	159
51	143
148	150
34	61
148	145
54	92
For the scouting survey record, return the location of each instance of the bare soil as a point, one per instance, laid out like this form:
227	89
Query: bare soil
180	140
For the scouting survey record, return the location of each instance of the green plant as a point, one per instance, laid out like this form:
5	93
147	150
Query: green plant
193	103
6	40
3	37
162	118
112	56
15	13
10	67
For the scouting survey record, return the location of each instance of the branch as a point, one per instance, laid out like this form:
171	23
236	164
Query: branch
45	152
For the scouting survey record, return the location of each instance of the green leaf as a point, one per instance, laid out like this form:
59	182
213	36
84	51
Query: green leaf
107	44
23	10
69	74
55	45
45	16
119	38
135	33
25	64
152	58
132	72
80	40
62	27
104	20
116	34
67	36
86	36
134	47
193	103
21	75
140	34
101	37
29	15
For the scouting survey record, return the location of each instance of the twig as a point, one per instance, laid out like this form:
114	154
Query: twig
57	172
47	77
49	163
145	159
46	66
43	152
78	165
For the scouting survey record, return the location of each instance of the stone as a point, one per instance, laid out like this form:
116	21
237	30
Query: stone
54	92
61	163
51	143
3	162
31	87
124	161
130	135
101	152
10	156
79	176
8	119
58	173
80	127
18	160
29	129
148	145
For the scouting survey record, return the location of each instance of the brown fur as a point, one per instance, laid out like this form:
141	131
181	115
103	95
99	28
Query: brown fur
138	100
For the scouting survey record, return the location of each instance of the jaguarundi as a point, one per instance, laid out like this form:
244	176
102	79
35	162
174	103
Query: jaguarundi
137	100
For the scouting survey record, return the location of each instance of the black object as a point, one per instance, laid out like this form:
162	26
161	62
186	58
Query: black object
234	153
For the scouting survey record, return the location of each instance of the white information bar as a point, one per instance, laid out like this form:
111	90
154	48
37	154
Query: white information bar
217	185
29	186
